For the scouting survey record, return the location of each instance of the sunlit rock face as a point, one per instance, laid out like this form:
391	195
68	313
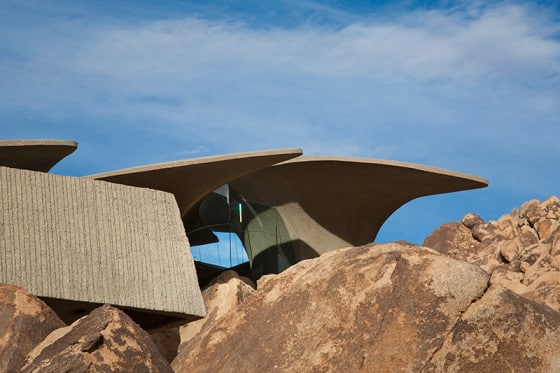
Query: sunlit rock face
106	340
371	308
521	250
25	321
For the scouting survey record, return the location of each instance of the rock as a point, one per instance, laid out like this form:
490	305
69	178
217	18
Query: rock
263	279
509	249
509	226
520	246
471	220
543	264
372	308
167	340
106	340
501	332
527	206
453	239
456	241
508	279
545	227
25	321
554	241
527	241
488	232
221	296
552	207
546	289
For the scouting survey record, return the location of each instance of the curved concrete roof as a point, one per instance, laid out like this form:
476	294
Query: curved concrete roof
34	155
331	202
192	179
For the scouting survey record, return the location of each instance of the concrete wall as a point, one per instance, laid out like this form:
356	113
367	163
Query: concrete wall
92	241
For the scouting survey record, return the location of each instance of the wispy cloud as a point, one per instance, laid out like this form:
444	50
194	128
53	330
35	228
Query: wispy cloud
472	87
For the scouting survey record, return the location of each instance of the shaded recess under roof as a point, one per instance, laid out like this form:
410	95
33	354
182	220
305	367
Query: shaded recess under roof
318	204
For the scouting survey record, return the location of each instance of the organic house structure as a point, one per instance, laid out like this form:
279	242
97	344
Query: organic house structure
123	237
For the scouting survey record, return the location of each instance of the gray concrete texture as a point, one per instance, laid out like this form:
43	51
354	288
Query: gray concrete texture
327	203
35	155
192	179
94	242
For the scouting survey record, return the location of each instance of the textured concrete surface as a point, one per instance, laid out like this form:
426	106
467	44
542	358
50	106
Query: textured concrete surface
35	155
330	202
192	179
78	240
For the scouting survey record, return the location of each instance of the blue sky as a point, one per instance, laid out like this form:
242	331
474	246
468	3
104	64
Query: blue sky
472	86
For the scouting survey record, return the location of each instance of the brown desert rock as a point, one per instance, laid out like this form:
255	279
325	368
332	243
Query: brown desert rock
167	340
372	308
521	249
471	220
25	321
501	332
221	296
457	241
106	340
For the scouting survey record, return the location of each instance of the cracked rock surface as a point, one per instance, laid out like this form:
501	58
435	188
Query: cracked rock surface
25	321
521	250
372	308
501	332
221	296
106	340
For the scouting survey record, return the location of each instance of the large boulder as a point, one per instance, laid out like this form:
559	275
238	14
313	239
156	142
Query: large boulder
372	308
25	321
221	296
521	250
501	332
456	240
106	340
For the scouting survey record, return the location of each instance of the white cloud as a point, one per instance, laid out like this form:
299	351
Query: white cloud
473	88
499	43
423	87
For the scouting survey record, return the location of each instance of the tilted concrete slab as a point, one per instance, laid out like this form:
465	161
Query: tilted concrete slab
192	179
78	243
325	203
35	155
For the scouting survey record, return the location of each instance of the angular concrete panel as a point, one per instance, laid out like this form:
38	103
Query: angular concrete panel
35	155
325	203
78	243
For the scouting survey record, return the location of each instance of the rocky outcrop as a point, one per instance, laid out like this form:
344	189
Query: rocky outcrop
502	332
372	308
521	249
221	296
25	321
106	340
484	297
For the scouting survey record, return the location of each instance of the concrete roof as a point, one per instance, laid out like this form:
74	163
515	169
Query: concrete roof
34	155
192	179
332	202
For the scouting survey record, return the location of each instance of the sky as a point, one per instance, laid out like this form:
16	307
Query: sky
471	86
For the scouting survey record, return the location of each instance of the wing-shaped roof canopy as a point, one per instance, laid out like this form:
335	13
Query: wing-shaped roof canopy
192	179
34	155
332	202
